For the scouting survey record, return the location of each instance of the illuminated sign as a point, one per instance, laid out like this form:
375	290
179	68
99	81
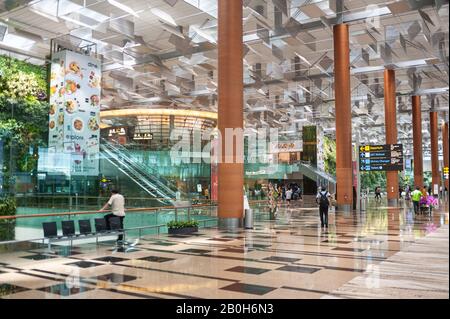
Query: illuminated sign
143	136
445	170
387	157
117	131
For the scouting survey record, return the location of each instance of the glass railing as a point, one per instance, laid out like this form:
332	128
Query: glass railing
138	222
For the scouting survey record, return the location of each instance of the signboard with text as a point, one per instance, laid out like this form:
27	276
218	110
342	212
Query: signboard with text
74	116
388	157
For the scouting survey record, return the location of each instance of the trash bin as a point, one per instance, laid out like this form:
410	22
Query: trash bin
362	204
248	219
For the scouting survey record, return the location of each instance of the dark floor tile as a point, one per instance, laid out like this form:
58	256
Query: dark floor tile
110	259
306	270
8	289
283	259
64	290
336	241
179	236
115	278
248	270
156	259
249	289
237	250
195	251
220	239
85	264
124	250
256	245
233	237
39	257
349	249
264	237
163	243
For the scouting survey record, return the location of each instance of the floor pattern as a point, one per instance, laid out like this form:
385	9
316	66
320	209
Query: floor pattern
381	253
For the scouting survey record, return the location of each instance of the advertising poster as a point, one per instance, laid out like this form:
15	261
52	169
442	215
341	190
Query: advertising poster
74	123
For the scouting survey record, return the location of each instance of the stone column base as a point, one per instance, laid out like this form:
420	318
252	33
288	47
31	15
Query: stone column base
344	208
230	223
392	202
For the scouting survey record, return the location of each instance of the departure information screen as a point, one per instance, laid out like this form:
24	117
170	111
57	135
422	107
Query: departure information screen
387	157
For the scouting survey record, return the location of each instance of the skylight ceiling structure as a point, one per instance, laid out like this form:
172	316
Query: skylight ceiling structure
164	53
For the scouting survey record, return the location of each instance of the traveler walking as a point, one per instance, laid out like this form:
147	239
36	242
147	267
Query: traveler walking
323	200
117	203
416	195
378	194
289	196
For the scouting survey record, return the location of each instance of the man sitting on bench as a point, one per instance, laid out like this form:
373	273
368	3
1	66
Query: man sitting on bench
117	203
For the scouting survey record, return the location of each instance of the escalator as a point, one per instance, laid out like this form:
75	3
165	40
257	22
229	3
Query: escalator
319	176
145	177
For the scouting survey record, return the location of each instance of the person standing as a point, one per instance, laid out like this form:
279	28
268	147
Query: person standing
378	193
117	203
289	196
323	199
415	196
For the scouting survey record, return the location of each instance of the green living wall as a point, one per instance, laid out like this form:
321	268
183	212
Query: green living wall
23	117
329	155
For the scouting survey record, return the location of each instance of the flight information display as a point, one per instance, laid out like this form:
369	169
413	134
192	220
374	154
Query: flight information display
387	157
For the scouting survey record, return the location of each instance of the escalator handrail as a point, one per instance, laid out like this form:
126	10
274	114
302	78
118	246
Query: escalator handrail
126	154
139	176
136	165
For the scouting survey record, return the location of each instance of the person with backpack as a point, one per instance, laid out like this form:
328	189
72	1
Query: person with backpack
378	194
323	200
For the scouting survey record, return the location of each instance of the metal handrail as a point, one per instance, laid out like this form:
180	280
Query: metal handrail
129	210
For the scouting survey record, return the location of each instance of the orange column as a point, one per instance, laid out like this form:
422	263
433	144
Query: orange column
343	113
445	146
230	114
417	141
435	174
390	120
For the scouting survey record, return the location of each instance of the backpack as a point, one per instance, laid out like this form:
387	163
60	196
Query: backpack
323	200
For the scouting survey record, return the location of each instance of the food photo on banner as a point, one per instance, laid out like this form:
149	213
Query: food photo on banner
74	121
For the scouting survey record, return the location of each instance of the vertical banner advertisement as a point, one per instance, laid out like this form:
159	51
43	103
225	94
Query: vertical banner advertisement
74	123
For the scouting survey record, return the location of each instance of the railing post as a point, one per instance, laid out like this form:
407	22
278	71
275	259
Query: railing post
176	214
189	214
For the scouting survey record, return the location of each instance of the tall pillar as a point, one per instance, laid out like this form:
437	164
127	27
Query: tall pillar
435	174
445	147
343	113
230	114
390	120
417	141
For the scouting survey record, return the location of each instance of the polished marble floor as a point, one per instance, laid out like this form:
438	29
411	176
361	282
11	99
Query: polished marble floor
381	253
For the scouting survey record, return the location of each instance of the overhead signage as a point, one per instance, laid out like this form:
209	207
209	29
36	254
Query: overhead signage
445	172
117	131
388	157
143	136
286	147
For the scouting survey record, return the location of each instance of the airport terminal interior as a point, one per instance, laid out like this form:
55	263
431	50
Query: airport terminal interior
224	149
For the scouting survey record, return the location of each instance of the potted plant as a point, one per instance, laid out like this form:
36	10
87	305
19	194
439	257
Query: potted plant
182	227
7	226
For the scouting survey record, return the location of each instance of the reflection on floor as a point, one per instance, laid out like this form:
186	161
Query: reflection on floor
381	253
